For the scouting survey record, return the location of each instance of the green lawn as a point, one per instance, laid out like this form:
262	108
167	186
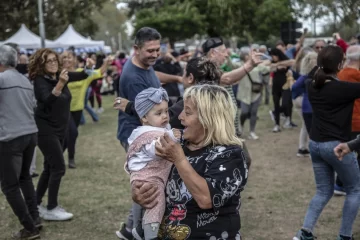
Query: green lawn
274	202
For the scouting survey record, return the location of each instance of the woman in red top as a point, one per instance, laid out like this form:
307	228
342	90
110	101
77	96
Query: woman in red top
351	73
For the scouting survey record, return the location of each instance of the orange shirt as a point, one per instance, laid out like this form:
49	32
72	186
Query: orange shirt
352	75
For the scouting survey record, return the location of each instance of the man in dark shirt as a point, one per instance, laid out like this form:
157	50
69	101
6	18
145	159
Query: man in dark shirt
137	75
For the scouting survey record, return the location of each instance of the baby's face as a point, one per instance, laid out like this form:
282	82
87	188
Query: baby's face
158	116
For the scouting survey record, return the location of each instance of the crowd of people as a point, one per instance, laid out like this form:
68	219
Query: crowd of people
181	122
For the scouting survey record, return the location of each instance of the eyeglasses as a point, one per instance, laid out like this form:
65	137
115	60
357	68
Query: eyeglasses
319	47
52	61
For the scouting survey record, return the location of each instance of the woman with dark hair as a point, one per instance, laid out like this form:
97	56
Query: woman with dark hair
78	91
52	116
332	102
279	91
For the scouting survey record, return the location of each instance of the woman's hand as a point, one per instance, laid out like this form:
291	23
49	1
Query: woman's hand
170	150
64	77
341	150
90	63
144	194
120	104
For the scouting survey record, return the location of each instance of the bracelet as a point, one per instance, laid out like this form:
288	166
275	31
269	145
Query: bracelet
56	92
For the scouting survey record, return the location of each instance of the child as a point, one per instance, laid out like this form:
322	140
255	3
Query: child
152	107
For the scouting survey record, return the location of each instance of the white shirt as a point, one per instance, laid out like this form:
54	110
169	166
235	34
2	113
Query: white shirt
147	153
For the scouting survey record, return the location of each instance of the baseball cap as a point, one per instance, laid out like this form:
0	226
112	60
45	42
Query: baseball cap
211	43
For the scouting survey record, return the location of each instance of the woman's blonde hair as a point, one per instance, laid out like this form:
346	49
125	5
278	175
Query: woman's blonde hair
216	113
300	56
308	63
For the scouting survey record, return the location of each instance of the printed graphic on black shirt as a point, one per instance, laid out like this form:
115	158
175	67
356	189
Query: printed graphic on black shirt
225	171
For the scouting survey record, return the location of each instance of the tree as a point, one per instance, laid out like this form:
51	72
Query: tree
175	22
340	11
268	17
57	15
225	18
111	25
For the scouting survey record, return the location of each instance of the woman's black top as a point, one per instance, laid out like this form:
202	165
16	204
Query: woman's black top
332	106
52	112
225	171
279	79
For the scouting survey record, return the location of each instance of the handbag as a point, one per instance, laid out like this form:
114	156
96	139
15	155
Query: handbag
255	87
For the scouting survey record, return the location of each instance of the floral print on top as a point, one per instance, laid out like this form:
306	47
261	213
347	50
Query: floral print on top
225	170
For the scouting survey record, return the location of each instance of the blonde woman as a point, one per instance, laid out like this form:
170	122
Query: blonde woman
301	71
209	171
299	88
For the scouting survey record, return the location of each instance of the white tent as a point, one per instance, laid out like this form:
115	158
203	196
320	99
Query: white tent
27	39
72	38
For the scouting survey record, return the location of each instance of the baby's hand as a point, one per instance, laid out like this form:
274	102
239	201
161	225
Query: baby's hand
177	133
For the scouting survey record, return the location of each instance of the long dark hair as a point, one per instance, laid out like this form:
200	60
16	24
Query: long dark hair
279	54
328	62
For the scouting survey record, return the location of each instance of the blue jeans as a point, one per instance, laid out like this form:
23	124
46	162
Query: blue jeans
93	115
325	164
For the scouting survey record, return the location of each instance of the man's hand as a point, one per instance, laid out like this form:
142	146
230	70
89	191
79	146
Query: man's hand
120	104
341	150
255	58
336	36
144	194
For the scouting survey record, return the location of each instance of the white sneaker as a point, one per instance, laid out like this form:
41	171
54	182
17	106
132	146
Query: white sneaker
287	123
100	110
241	129
276	129
41	210
57	214
253	136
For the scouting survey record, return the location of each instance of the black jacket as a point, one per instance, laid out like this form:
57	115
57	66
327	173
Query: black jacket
52	112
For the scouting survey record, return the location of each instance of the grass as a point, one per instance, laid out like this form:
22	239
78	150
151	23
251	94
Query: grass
274	202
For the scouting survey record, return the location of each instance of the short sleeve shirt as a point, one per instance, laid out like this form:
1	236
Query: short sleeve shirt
132	81
225	171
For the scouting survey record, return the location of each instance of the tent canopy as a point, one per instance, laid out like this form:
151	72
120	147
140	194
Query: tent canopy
27	39
72	38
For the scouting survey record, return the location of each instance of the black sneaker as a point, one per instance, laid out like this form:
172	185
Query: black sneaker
138	232
124	234
303	235
345	238
72	163
303	153
38	223
293	125
34	175
24	234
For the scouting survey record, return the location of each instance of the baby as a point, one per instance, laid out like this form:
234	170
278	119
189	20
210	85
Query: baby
152	107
